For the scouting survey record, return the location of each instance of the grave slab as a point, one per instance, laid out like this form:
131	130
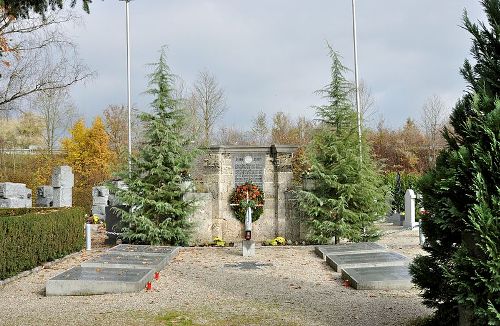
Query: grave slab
128	261
248	248
372	259
378	278
351	248
88	281
145	250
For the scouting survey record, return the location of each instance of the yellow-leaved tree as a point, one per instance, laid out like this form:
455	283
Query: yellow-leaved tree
88	153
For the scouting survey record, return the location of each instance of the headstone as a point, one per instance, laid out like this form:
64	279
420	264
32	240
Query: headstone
62	176
92	280
15	195
12	203
248	248
63	197
410	209
100	199
378	278
12	190
44	196
62	182
113	227
372	259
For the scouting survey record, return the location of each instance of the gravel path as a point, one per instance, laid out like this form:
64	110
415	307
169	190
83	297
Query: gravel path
205	286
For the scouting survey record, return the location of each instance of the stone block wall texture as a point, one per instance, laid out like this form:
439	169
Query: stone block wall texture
218	178
15	195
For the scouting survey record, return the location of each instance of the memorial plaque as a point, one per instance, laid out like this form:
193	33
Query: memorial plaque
249	167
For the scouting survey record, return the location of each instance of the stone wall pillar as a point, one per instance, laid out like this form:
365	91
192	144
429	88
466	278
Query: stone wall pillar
283	174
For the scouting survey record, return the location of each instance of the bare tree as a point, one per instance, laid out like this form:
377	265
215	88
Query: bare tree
433	120
260	129
366	101
57	113
38	57
233	136
209	101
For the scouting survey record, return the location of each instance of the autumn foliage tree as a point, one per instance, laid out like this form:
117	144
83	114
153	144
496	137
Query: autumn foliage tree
87	151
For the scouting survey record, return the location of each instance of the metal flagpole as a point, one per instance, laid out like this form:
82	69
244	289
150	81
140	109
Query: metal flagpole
129	106
356	78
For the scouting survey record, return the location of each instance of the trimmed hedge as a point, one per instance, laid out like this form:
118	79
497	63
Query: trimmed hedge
24	211
27	241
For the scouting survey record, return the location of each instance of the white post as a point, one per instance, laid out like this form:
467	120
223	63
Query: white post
88	235
356	77
128	87
410	209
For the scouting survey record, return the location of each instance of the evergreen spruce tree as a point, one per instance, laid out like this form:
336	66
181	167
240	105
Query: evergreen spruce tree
348	194
460	277
158	213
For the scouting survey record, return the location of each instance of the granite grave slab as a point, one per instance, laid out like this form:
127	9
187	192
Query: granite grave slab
91	280
128	261
372	259
350	248
378	278
145	249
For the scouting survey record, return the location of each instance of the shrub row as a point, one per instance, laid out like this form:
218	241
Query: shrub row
27	241
23	211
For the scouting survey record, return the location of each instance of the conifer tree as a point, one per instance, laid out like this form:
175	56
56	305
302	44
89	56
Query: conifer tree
348	195
159	214
460	277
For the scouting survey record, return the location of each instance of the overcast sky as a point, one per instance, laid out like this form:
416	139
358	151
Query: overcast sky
271	55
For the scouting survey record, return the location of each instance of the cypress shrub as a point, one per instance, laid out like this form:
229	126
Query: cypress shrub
27	241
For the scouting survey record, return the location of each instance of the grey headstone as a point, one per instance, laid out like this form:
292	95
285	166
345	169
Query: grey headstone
12	190
45	191
62	176
99	210
372	259
103	201
378	278
350	248
44	196
91	280
63	197
44	202
120	260
13	203
100	191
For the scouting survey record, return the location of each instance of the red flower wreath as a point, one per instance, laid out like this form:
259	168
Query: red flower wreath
239	204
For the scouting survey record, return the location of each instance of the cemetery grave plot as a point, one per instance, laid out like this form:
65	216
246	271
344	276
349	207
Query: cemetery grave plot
375	259
378	278
124	268
145	250
91	280
367	265
361	247
119	260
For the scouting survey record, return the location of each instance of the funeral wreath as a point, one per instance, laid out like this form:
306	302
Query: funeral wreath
239	204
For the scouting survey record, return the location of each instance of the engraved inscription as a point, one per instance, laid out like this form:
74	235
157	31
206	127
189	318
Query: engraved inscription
249	168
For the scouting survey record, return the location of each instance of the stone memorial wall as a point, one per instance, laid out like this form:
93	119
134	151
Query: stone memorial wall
225	167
